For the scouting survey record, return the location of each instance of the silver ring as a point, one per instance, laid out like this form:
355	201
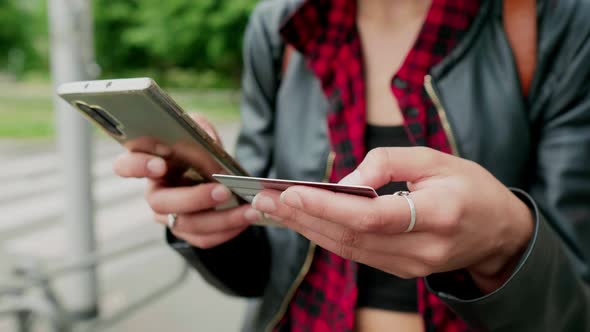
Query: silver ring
172	219
406	195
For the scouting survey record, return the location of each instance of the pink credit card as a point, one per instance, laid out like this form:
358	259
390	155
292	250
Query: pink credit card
247	187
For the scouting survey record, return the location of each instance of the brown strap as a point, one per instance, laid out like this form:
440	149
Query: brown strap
520	24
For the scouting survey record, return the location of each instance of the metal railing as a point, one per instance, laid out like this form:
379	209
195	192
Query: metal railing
34	300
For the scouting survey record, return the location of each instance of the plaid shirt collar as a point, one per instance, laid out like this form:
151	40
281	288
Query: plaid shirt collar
320	22
325	32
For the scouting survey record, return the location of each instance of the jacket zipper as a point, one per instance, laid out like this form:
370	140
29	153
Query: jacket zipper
302	273
442	115
306	264
329	166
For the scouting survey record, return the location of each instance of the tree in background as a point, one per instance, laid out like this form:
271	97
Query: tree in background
15	36
166	39
204	35
112	20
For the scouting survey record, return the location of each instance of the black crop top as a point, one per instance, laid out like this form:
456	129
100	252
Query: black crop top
378	289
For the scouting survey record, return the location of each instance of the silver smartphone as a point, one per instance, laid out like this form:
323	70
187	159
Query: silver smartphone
137	113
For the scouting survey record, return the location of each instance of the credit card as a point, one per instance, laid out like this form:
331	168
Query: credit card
247	187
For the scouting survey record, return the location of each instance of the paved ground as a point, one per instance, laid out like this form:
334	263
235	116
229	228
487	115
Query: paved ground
30	211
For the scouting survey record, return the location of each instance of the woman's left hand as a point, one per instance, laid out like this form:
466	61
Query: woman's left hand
465	218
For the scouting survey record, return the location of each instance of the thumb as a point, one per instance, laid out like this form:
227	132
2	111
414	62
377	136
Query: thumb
207	126
384	165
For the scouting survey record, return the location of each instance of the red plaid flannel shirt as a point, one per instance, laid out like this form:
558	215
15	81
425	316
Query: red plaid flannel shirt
325	32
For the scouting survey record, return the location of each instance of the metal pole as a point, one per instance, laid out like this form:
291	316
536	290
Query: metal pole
23	321
70	27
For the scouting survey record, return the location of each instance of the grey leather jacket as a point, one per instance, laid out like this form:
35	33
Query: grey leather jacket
540	144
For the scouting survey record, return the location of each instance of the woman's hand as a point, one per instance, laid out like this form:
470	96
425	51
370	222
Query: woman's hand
198	222
465	218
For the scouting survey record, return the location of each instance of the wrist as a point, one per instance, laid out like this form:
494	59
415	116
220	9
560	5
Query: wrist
493	271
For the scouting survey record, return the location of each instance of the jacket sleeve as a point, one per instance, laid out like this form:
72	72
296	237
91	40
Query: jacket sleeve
241	266
549	290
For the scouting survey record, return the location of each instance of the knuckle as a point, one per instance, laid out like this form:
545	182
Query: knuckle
117	165
322	211
237	218
147	193
449	219
198	118
345	252
202	121
429	155
404	275
149	189
198	242
292	214
425	150
349	238
123	166
419	271
202	242
371	222
157	217
181	236
201	196
207	243
377	154
155	203
435	255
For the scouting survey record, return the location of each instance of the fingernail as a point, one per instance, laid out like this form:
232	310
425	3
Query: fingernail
220	193
352	178
252	215
292	199
156	166
162	150
263	203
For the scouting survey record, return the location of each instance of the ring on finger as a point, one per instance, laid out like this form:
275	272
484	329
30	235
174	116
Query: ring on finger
172	220
406	195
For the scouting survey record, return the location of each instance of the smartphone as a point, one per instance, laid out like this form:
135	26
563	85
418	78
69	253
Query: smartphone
247	187
137	113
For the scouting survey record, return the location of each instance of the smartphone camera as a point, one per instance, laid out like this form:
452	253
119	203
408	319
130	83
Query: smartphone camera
102	117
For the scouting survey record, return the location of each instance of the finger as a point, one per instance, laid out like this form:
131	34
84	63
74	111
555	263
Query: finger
212	222
149	145
420	246
190	199
206	125
384	165
427	251
388	214
211	240
139	165
268	201
401	266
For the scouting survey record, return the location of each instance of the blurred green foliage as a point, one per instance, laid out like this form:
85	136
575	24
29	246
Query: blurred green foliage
15	37
163	39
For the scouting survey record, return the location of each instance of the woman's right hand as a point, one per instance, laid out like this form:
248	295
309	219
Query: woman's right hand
198	223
